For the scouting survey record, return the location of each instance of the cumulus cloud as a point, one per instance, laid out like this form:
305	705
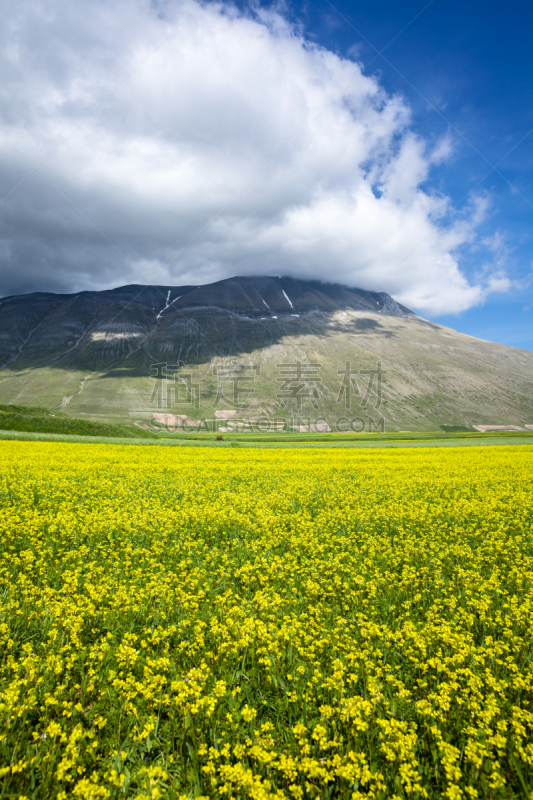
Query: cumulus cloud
183	143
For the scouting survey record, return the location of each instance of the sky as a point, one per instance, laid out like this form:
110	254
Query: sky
381	145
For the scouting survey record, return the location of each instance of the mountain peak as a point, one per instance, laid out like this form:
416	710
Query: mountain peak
256	295
263	294
96	353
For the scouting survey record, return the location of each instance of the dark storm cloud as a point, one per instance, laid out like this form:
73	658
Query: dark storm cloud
187	143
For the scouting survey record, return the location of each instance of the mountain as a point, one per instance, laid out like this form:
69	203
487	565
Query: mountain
260	346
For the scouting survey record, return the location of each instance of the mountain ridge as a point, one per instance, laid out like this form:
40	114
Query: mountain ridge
326	295
94	353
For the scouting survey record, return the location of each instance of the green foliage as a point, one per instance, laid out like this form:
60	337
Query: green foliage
36	419
454	428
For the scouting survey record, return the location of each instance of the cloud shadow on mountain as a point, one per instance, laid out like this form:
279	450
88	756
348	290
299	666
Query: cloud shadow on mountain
123	331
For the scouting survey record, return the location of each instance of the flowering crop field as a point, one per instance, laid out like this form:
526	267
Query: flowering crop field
265	623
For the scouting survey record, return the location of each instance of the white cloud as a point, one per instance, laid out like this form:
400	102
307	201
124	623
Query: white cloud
234	147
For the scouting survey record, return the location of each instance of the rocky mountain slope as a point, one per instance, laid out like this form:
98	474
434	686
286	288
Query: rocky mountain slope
260	347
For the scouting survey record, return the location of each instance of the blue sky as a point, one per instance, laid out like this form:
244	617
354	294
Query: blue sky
467	70
383	145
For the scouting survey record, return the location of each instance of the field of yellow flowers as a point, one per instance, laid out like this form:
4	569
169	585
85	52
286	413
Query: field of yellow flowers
258	624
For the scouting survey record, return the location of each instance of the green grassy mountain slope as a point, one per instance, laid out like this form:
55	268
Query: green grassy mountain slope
34	419
102	355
